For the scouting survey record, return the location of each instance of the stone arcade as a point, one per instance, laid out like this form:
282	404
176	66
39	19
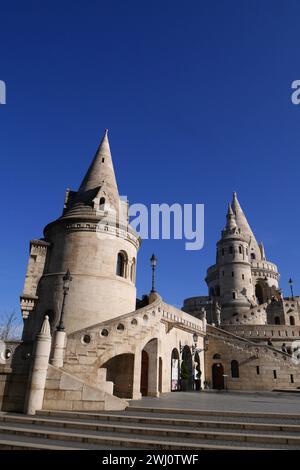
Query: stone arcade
88	344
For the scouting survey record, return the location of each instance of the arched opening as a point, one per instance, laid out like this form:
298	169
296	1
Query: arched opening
235	369
197	372
102	203
175	370
132	270
252	256
217	291
211	292
218	376
217	356
120	372
51	316
160	375
259	293
150	369
292	320
121	264
277	320
144	373
186	372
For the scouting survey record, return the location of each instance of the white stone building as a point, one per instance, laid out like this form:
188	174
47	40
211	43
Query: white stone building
85	344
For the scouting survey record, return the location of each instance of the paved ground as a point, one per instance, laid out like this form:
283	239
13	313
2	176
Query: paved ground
268	402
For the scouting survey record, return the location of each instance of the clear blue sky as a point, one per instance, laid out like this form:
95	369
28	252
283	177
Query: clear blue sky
196	96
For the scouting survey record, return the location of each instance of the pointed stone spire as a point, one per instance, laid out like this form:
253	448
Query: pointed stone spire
45	330
230	217
242	223
262	251
101	172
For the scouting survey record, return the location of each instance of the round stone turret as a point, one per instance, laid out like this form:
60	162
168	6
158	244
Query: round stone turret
94	240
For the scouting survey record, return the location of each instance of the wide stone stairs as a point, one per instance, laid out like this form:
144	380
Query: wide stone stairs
150	428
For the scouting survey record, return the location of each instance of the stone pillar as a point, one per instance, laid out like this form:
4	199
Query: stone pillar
58	352
35	394
152	349
136	388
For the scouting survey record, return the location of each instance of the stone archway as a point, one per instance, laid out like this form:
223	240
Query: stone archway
120	371
218	376
150	369
197	372
186	372
175	370
144	373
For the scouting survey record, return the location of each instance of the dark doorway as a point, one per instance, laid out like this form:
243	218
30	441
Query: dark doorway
186	373
259	292
144	373
218	376
160	375
120	372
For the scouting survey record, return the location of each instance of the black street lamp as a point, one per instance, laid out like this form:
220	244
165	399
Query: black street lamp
153	261
291	286
195	339
66	285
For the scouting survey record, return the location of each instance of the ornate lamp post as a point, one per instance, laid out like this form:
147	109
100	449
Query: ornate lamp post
291	286
195	339
66	285
153	261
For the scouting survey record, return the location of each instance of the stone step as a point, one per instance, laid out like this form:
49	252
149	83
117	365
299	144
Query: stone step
10	442
92	432
219	413
23	438
169	421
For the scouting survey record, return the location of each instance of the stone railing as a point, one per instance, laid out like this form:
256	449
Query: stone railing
279	332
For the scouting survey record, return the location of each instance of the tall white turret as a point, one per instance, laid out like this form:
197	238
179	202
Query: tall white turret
92	239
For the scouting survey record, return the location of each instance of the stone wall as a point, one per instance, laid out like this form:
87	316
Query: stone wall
14	372
66	392
260	367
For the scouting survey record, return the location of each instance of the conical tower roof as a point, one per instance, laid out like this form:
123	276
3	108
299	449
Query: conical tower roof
230	219
101	171
243	224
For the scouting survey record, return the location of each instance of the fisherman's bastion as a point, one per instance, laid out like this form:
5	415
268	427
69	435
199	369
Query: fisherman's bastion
89	344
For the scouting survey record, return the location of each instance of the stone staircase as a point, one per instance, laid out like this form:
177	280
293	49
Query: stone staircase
150	428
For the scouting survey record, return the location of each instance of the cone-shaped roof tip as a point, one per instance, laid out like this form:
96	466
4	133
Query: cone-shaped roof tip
101	170
230	211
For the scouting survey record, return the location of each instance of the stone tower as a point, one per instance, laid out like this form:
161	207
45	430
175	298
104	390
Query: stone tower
234	268
242	276
92	239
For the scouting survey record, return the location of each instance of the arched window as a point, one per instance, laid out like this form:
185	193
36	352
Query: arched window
217	291
132	270
211	292
292	320
252	255
102	203
235	369
217	356
121	264
277	320
240	249
233	295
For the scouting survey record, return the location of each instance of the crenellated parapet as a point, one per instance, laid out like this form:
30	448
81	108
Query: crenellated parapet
35	269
